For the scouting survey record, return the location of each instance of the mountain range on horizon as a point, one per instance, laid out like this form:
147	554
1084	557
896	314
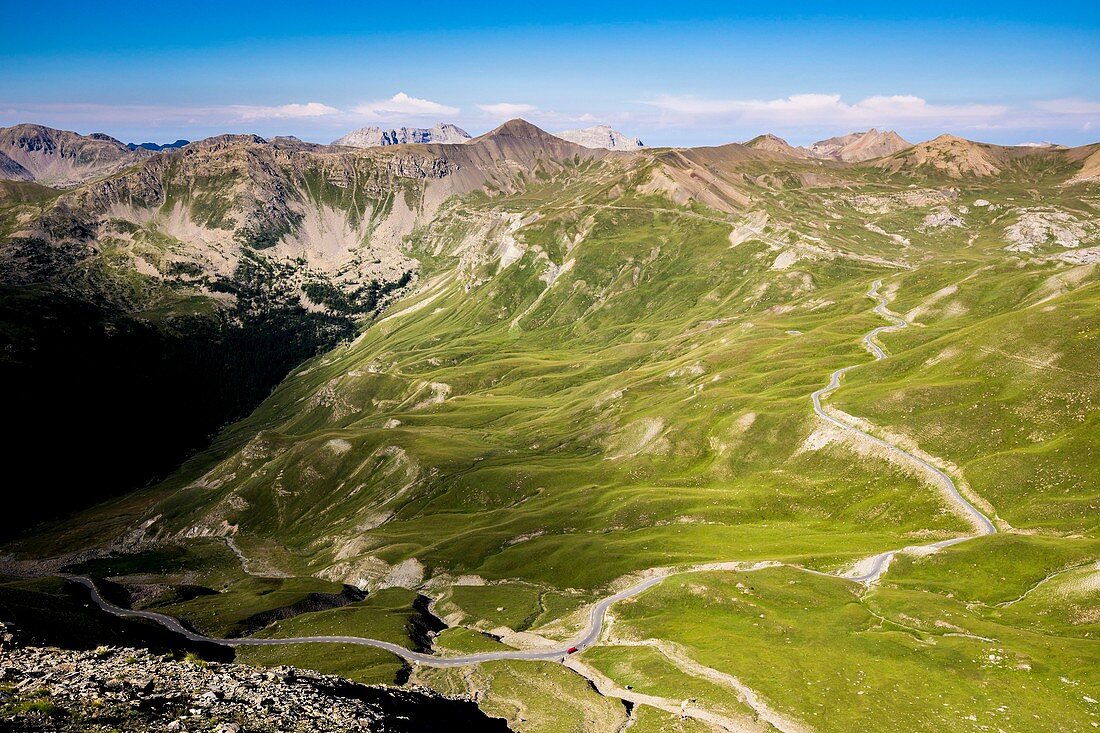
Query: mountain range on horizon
855	147
61	158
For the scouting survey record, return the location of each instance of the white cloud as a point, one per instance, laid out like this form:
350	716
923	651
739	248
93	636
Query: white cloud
403	104
507	109
213	115
1069	107
309	109
827	109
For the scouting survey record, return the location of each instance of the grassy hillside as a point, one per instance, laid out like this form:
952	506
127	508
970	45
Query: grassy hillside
597	374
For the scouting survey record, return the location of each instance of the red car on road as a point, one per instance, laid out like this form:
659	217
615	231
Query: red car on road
571	650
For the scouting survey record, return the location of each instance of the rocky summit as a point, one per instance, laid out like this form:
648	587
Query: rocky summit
601	136
374	137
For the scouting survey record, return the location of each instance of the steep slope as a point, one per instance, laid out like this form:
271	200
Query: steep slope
12	171
830	147
185	289
857	147
61	158
1090	164
601	136
371	137
520	141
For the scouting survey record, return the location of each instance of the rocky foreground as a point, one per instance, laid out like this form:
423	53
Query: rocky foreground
122	689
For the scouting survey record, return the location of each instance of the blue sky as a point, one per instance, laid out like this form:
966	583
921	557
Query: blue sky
683	74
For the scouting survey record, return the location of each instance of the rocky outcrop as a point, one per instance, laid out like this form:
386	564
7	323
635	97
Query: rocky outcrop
373	137
601	136
116	688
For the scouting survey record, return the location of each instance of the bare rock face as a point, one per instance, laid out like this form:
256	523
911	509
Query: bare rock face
61	158
115	688
373	137
601	136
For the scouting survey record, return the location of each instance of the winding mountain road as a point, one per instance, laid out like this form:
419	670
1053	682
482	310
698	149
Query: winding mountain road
870	569
595	628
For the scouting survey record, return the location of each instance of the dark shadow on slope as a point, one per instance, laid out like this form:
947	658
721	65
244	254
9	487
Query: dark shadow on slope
100	403
58	612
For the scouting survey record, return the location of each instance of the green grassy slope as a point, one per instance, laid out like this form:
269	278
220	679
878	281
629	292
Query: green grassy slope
592	381
888	660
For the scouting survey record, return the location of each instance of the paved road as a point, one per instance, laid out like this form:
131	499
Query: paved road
555	654
981	522
875	565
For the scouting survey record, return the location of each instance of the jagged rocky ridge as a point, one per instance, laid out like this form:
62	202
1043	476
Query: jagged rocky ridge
372	137
601	136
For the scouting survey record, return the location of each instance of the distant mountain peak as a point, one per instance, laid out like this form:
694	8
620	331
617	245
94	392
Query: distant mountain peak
156	147
104	137
775	144
373	137
601	136
856	147
517	127
60	157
